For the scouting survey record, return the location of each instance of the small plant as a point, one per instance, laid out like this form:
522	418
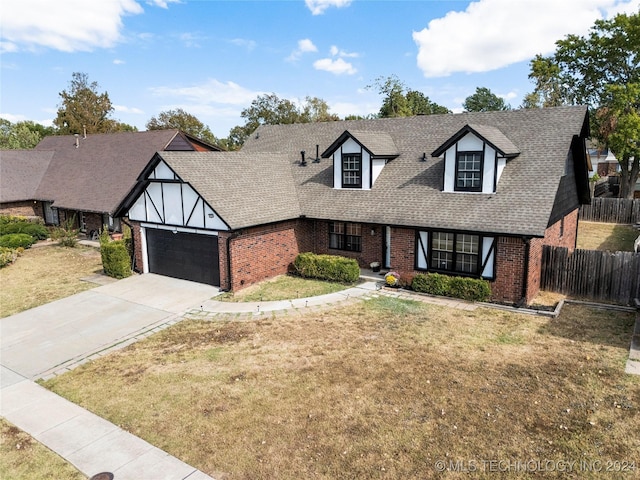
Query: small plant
392	279
15	240
7	256
66	234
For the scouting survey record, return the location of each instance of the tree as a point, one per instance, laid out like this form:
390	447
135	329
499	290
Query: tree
394	103
419	104
549	91
269	109
22	135
316	110
602	70
397	103
484	100
83	107
183	121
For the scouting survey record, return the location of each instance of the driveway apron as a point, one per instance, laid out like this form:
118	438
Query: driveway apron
37	340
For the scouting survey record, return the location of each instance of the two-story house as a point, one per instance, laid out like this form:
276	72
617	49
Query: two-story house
473	194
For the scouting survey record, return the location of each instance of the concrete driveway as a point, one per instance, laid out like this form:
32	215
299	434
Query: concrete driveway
45	339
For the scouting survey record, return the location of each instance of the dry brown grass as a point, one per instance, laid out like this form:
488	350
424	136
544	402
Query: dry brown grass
41	275
606	236
23	458
282	287
382	389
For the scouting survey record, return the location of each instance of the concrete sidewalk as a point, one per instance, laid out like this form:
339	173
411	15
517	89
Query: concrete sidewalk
213	309
87	441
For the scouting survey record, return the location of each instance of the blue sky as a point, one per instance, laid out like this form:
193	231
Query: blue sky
213	58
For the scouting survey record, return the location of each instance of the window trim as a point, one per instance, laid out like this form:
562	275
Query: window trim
343	160
347	245
459	153
431	264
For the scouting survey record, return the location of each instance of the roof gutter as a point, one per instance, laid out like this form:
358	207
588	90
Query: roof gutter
229	274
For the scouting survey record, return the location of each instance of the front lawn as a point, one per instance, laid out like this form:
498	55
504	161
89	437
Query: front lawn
23	458
283	287
41	275
606	236
384	388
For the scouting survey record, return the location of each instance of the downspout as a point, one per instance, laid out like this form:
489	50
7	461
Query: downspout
525	273
133	246
228	242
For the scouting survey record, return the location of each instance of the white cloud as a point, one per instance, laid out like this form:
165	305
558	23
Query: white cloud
72	25
117	61
210	92
243	42
304	46
335	51
124	109
162	3
337	67
318	7
491	34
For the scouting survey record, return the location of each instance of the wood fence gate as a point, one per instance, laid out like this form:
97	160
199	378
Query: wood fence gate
592	274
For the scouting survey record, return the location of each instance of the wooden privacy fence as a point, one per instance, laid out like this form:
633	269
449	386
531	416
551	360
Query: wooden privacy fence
612	210
592	274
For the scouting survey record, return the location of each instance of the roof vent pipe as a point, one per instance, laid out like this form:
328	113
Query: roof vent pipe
77	139
84	131
303	162
424	157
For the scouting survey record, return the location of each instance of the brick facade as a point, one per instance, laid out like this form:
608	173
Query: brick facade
372	246
563	233
263	252
28	208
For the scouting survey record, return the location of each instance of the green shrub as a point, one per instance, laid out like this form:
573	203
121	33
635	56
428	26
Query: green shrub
115	259
37	231
15	240
327	267
432	283
475	289
7	256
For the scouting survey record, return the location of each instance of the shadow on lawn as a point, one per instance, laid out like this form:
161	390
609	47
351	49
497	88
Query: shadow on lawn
621	239
593	325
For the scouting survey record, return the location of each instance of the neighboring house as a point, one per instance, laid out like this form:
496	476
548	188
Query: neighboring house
473	194
21	172
87	177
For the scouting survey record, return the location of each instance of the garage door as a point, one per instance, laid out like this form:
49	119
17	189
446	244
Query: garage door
188	256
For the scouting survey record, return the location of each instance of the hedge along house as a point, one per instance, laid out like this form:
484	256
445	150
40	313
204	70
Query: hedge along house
86	177
474	194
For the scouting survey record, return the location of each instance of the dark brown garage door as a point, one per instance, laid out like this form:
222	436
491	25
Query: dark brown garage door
188	256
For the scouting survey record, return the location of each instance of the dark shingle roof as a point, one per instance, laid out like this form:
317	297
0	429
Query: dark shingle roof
492	135
245	189
20	174
265	182
97	175
379	144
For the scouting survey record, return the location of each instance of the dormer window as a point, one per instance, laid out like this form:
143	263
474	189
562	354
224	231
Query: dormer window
351	170
359	157
469	172
474	159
